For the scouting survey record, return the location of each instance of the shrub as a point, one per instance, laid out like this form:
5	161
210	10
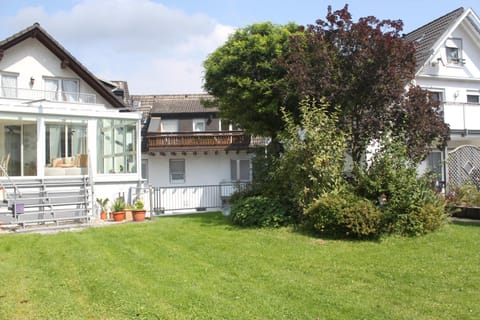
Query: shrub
361	219
258	211
412	206
467	195
312	160
344	215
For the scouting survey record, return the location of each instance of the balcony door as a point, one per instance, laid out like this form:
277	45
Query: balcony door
62	89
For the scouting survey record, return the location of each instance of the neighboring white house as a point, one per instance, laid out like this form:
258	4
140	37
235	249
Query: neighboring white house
448	65
188	149
58	122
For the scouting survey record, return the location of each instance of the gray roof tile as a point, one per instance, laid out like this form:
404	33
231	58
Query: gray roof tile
178	103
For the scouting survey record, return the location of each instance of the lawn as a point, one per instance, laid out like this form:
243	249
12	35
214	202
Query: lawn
199	267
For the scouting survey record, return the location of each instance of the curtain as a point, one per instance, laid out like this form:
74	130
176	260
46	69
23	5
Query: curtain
51	89
70	90
78	140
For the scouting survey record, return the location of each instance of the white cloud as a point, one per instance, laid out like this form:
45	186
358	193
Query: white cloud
155	48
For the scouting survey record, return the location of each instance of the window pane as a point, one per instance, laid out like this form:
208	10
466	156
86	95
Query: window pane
434	160
177	170
472	98
244	170
154	125
18	147
70	90
52	89
9	86
169	126
198	125
29	149
144	169
55	143
233	170
117	146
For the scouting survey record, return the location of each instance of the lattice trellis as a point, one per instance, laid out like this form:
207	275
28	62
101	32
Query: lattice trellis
463	166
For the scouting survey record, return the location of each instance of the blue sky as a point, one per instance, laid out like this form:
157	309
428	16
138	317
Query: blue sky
158	46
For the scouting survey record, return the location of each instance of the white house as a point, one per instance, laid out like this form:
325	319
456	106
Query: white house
448	65
60	126
188	150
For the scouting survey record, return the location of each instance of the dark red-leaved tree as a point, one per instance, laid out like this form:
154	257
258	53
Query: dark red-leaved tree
364	68
419	123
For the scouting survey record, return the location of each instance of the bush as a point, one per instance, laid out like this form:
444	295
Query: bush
344	215
467	195
412	206
258	211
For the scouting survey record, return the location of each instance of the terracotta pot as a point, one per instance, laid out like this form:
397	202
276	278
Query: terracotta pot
103	215
119	216
128	214
138	215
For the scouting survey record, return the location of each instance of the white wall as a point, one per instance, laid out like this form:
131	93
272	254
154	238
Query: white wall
31	59
200	169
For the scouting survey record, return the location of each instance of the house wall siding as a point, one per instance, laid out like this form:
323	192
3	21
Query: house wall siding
200	169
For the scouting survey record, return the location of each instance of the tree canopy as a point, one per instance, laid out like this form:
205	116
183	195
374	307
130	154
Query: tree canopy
247	80
364	69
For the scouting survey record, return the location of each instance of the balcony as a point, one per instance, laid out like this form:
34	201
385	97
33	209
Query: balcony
462	116
30	94
197	141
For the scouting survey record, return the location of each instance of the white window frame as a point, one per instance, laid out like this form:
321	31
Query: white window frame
169	125
196	122
236	173
60	92
470	95
9	91
453	50
176	170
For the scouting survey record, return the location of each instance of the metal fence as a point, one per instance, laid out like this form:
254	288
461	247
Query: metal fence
197	198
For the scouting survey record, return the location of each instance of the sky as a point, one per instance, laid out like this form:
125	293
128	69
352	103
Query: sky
158	46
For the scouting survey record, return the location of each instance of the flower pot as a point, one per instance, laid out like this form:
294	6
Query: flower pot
103	215
119	216
138	215
128	214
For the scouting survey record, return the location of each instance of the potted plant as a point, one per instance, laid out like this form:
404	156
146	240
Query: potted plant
139	210
103	204
118	209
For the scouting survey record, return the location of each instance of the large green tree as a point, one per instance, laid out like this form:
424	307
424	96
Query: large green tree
248	82
364	68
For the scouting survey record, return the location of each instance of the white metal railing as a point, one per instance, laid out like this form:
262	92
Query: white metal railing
62	96
462	116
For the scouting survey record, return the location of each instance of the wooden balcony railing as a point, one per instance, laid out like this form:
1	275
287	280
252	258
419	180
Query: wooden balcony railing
198	140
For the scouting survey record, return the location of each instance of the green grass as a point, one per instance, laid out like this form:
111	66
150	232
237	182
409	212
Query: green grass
199	267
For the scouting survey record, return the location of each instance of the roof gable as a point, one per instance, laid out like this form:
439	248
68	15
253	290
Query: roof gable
428	36
67	60
432	37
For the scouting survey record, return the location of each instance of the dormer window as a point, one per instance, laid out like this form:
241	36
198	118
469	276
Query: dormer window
453	48
198	125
